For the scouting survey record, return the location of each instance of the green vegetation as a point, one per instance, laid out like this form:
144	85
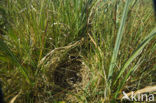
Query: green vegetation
78	51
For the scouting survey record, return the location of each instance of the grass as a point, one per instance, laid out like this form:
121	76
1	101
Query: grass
84	51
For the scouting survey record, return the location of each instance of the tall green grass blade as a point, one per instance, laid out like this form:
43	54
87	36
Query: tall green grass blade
118	41
126	77
136	53
4	48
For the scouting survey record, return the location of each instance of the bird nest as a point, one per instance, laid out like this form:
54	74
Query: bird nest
63	71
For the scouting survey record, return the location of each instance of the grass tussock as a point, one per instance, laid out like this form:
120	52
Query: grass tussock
78	51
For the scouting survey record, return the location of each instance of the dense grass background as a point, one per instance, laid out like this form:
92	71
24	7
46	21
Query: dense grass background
110	45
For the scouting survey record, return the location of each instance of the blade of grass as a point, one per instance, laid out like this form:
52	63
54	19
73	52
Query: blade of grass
118	41
126	77
5	48
136	53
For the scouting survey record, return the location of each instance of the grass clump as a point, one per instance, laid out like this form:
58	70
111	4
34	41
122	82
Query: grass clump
84	51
